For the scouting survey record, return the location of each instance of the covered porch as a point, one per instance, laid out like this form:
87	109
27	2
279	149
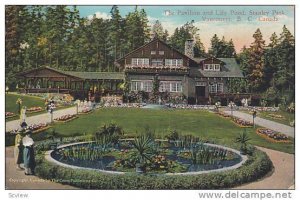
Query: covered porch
79	84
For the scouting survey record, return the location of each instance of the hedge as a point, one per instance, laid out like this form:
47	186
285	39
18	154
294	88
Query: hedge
257	166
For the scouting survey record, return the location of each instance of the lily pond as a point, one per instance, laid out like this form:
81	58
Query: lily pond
146	155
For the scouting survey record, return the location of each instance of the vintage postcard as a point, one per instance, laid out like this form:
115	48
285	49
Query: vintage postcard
150	97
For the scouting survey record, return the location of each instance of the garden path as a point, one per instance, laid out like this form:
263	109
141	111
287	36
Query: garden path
288	130
16	180
42	118
283	176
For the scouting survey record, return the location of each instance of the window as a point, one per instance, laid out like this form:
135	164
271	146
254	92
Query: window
220	87
153	52
216	88
174	62
213	88
161	53
141	85
217	67
206	67
212	67
147	86
157	62
170	86
136	85
140	61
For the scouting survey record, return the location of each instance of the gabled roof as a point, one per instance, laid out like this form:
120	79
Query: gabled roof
81	75
230	69
155	40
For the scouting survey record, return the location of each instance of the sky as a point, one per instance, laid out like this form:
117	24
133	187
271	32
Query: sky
233	22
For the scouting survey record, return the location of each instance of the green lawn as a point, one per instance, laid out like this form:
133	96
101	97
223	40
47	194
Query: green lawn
28	101
287	116
204	124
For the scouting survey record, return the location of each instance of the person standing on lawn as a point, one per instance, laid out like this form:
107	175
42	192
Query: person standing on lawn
28	154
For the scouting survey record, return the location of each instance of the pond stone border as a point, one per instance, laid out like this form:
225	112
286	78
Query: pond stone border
49	158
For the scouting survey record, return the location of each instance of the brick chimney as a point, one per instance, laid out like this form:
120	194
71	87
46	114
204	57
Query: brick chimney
189	48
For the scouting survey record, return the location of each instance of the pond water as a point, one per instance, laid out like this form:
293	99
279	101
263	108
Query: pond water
89	155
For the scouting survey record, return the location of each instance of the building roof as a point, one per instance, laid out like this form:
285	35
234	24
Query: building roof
97	75
151	41
81	75
230	69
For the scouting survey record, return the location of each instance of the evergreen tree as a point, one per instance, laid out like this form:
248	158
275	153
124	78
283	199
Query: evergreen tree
185	32
256	62
199	50
116	32
285	74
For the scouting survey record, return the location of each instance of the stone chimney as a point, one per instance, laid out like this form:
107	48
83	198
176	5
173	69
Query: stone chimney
189	48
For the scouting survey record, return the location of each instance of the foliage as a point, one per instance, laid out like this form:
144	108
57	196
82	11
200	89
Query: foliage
243	139
108	134
221	48
256	167
159	32
271	68
173	135
201	154
144	146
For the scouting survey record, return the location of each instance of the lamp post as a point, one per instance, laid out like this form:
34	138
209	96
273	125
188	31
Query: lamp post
76	108
254	115
231	107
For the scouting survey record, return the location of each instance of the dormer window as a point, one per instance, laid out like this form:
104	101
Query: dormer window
153	52
211	67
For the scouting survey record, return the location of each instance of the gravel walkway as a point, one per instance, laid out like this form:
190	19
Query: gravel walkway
283	176
42	118
17	180
288	130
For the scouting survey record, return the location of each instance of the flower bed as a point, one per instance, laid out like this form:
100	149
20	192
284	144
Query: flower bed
222	114
9	114
34	109
272	136
65	118
36	128
242	123
275	116
86	111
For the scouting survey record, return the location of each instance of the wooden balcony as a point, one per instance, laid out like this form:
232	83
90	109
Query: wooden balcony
156	69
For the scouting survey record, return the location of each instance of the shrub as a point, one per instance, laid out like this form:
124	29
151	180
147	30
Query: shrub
256	167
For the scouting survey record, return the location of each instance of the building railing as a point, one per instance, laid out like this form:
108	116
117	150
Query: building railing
157	68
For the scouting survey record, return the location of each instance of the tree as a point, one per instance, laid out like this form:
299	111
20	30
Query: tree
199	50
222	48
215	46
116	32
256	62
158	31
185	32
